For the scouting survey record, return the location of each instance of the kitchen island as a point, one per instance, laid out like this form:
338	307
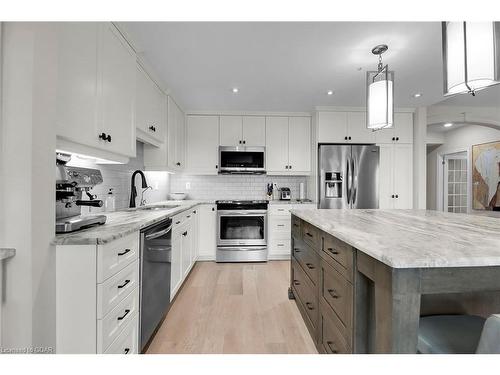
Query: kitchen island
359	275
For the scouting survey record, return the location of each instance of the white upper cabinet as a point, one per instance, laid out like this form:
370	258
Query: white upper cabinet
254	130
77	82
276	144
288	145
149	120
176	136
118	62
396	176
96	90
357	132
299	145
242	130
202	135
332	127
231	130
401	132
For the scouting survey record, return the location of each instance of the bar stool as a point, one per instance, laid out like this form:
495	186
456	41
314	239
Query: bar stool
459	334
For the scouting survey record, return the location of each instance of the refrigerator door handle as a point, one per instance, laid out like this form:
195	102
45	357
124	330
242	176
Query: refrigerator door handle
347	180
354	182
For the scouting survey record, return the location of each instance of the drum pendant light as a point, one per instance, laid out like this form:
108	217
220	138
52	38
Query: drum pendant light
380	94
471	56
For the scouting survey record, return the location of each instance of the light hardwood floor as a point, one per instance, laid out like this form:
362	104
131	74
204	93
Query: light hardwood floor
234	308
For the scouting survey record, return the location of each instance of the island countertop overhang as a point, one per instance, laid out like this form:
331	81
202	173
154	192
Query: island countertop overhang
413	238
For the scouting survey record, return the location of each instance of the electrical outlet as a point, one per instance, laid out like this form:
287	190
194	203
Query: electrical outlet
188	185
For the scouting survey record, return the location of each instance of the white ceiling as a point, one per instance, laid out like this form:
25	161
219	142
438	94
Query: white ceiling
288	66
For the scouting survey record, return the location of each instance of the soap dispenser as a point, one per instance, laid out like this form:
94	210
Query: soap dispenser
110	201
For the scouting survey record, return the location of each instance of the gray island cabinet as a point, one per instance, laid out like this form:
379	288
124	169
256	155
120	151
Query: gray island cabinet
360	277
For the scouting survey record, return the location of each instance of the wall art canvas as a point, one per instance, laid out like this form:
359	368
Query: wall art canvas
486	176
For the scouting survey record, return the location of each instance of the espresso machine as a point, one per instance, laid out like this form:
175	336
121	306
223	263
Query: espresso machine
71	183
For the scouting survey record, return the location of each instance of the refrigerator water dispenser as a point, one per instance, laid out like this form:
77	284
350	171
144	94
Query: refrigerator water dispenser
333	185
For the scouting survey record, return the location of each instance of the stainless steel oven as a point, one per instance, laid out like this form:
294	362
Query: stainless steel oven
241	231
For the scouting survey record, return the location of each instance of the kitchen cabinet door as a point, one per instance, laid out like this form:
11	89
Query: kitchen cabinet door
276	144
386	176
117	65
357	131
401	132
202	144
77	83
149	109
403	176
332	127
187	236
176	263
299	145
195	230
231	131
175	136
207	216
254	130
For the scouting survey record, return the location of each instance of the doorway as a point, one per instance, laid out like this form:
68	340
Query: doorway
455	194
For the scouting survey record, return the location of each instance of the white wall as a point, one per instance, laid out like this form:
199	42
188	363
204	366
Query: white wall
419	157
460	139
29	68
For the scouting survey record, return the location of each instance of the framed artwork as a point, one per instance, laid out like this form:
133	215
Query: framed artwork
486	176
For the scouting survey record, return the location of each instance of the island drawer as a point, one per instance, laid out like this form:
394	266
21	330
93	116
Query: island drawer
296	225
127	342
339	252
307	296
331	341
337	292
114	256
311	235
307	258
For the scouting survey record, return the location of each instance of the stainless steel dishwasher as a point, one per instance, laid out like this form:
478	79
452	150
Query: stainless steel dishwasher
156	255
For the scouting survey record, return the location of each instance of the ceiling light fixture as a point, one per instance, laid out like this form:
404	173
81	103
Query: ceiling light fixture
471	61
448	124
380	93
329	92
417	95
235	90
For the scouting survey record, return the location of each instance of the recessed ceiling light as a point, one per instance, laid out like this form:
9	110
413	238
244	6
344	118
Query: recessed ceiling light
329	92
417	95
235	90
448	124
359	69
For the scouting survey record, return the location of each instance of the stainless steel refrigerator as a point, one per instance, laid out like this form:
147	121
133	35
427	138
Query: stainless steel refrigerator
348	176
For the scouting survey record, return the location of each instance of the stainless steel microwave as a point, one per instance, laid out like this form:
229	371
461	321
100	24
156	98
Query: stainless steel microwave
242	160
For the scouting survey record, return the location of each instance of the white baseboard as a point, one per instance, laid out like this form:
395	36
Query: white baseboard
278	257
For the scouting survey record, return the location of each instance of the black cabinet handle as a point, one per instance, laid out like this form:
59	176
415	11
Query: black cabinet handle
295	225
397	138
126	351
194	212
310	266
349	138
281	244
103	136
244	142
296	282
289	167
185	233
333	293
124	284
345	138
309	306
213	209
296	250
124	315
392	196
334	252
124	252
393	138
216	167
178	164
330	346
281	225
152	128
188	216
286	166
309	234
397	196
240	141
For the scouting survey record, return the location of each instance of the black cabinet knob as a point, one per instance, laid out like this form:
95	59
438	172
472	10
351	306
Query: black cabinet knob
103	136
345	138
286	166
109	138
289	167
178	164
244	142
349	138
216	167
397	196
397	138
152	128
240	142
213	209
392	196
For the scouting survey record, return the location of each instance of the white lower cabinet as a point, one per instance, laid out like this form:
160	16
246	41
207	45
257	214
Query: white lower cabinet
97	296
207	224
396	176
279	228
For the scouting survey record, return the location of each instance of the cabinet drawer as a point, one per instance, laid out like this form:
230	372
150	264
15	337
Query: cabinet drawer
340	252
337	292
331	339
127	342
307	258
280	210
311	235
117	287
280	228
109	327
114	256
277	246
296	226
306	294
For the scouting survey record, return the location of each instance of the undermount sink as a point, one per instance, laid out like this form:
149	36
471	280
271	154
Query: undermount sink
158	207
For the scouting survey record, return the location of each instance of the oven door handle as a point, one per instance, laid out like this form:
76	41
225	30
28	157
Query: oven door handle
241	248
242	212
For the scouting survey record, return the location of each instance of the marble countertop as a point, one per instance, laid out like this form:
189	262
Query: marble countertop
413	238
121	223
7	253
292	201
